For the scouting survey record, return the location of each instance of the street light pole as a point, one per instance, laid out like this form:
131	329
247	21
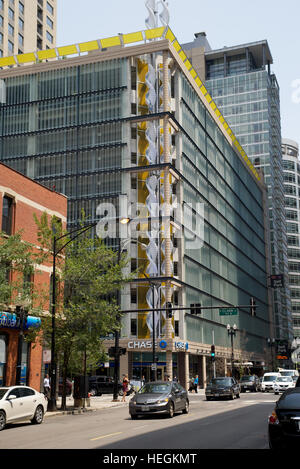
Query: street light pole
53	377
232	332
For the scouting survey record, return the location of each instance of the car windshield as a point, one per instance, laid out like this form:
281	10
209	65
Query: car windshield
221	382
287	373
154	388
284	379
247	378
3	391
270	378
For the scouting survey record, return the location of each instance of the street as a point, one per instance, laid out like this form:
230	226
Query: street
237	424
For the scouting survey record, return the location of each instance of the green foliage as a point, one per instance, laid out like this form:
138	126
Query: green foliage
88	280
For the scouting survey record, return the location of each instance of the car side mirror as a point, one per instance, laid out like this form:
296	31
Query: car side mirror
11	397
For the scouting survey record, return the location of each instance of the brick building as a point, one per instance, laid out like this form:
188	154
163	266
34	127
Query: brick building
20	199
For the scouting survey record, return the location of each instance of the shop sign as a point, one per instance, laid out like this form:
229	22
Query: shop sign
181	345
11	320
140	344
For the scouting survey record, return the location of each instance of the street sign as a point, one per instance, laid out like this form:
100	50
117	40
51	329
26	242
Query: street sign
228	311
277	281
154	366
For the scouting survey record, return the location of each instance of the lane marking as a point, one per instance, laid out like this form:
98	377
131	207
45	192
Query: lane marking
105	436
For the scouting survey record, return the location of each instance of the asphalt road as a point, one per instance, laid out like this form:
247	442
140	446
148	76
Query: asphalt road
238	424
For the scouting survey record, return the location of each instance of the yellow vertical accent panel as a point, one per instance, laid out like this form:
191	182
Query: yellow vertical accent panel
25	58
170	35
203	90
47	54
88	46
193	73
111	42
213	105
188	64
67	50
176	46
182	55
198	81
217	112
208	97
6	61
154	33
133	37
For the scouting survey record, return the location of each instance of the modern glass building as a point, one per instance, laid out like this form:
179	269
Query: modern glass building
240	81
133	124
291	169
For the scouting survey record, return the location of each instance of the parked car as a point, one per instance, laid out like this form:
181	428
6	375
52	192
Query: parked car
18	403
159	397
268	381
99	385
283	383
284	422
68	386
222	387
249	383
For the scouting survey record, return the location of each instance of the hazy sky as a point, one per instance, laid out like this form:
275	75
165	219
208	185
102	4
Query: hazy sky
226	24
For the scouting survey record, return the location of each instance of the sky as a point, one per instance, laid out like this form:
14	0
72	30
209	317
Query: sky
227	23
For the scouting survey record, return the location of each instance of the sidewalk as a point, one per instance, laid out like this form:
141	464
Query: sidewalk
96	403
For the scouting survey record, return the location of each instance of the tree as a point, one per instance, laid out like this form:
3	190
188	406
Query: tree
89	278
17	263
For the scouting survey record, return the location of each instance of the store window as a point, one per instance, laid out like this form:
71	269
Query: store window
3	358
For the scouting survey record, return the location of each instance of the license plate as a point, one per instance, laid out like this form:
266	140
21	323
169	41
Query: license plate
217	395
145	408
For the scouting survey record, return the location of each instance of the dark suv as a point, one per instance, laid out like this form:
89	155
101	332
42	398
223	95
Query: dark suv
249	383
99	385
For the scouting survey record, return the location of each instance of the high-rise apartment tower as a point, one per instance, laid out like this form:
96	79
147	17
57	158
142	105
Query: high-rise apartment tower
240	81
26	26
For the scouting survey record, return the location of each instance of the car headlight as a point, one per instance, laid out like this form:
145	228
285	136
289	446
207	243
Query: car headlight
161	401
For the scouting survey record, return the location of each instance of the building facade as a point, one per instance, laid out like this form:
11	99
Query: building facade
27	25
291	168
240	80
20	199
128	131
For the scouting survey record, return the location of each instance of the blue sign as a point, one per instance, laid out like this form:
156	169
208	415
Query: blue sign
163	344
11	320
181	345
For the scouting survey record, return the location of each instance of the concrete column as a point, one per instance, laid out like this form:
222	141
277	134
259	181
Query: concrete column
204	370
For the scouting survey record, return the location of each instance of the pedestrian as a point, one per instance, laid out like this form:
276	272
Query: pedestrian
175	379
47	387
196	382
143	381
125	387
191	387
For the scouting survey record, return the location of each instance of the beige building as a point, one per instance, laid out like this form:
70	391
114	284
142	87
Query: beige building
26	26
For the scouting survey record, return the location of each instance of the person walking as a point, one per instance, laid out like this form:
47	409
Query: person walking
47	387
125	387
196	382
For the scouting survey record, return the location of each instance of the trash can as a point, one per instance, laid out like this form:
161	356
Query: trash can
81	386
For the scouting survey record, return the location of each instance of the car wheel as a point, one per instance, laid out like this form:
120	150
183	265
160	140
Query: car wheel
276	393
187	407
2	419
208	398
133	417
171	410
38	416
231	396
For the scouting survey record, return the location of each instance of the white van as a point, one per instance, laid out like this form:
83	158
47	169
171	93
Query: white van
268	381
285	372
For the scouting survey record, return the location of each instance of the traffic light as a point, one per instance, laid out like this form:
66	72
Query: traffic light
252	306
213	353
195	308
169	309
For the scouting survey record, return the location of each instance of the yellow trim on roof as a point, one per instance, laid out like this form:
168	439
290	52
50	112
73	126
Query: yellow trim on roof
133	37
111	42
123	39
67	50
26	58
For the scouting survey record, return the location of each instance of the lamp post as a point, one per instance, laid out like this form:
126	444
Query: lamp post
231	332
271	344
56	251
